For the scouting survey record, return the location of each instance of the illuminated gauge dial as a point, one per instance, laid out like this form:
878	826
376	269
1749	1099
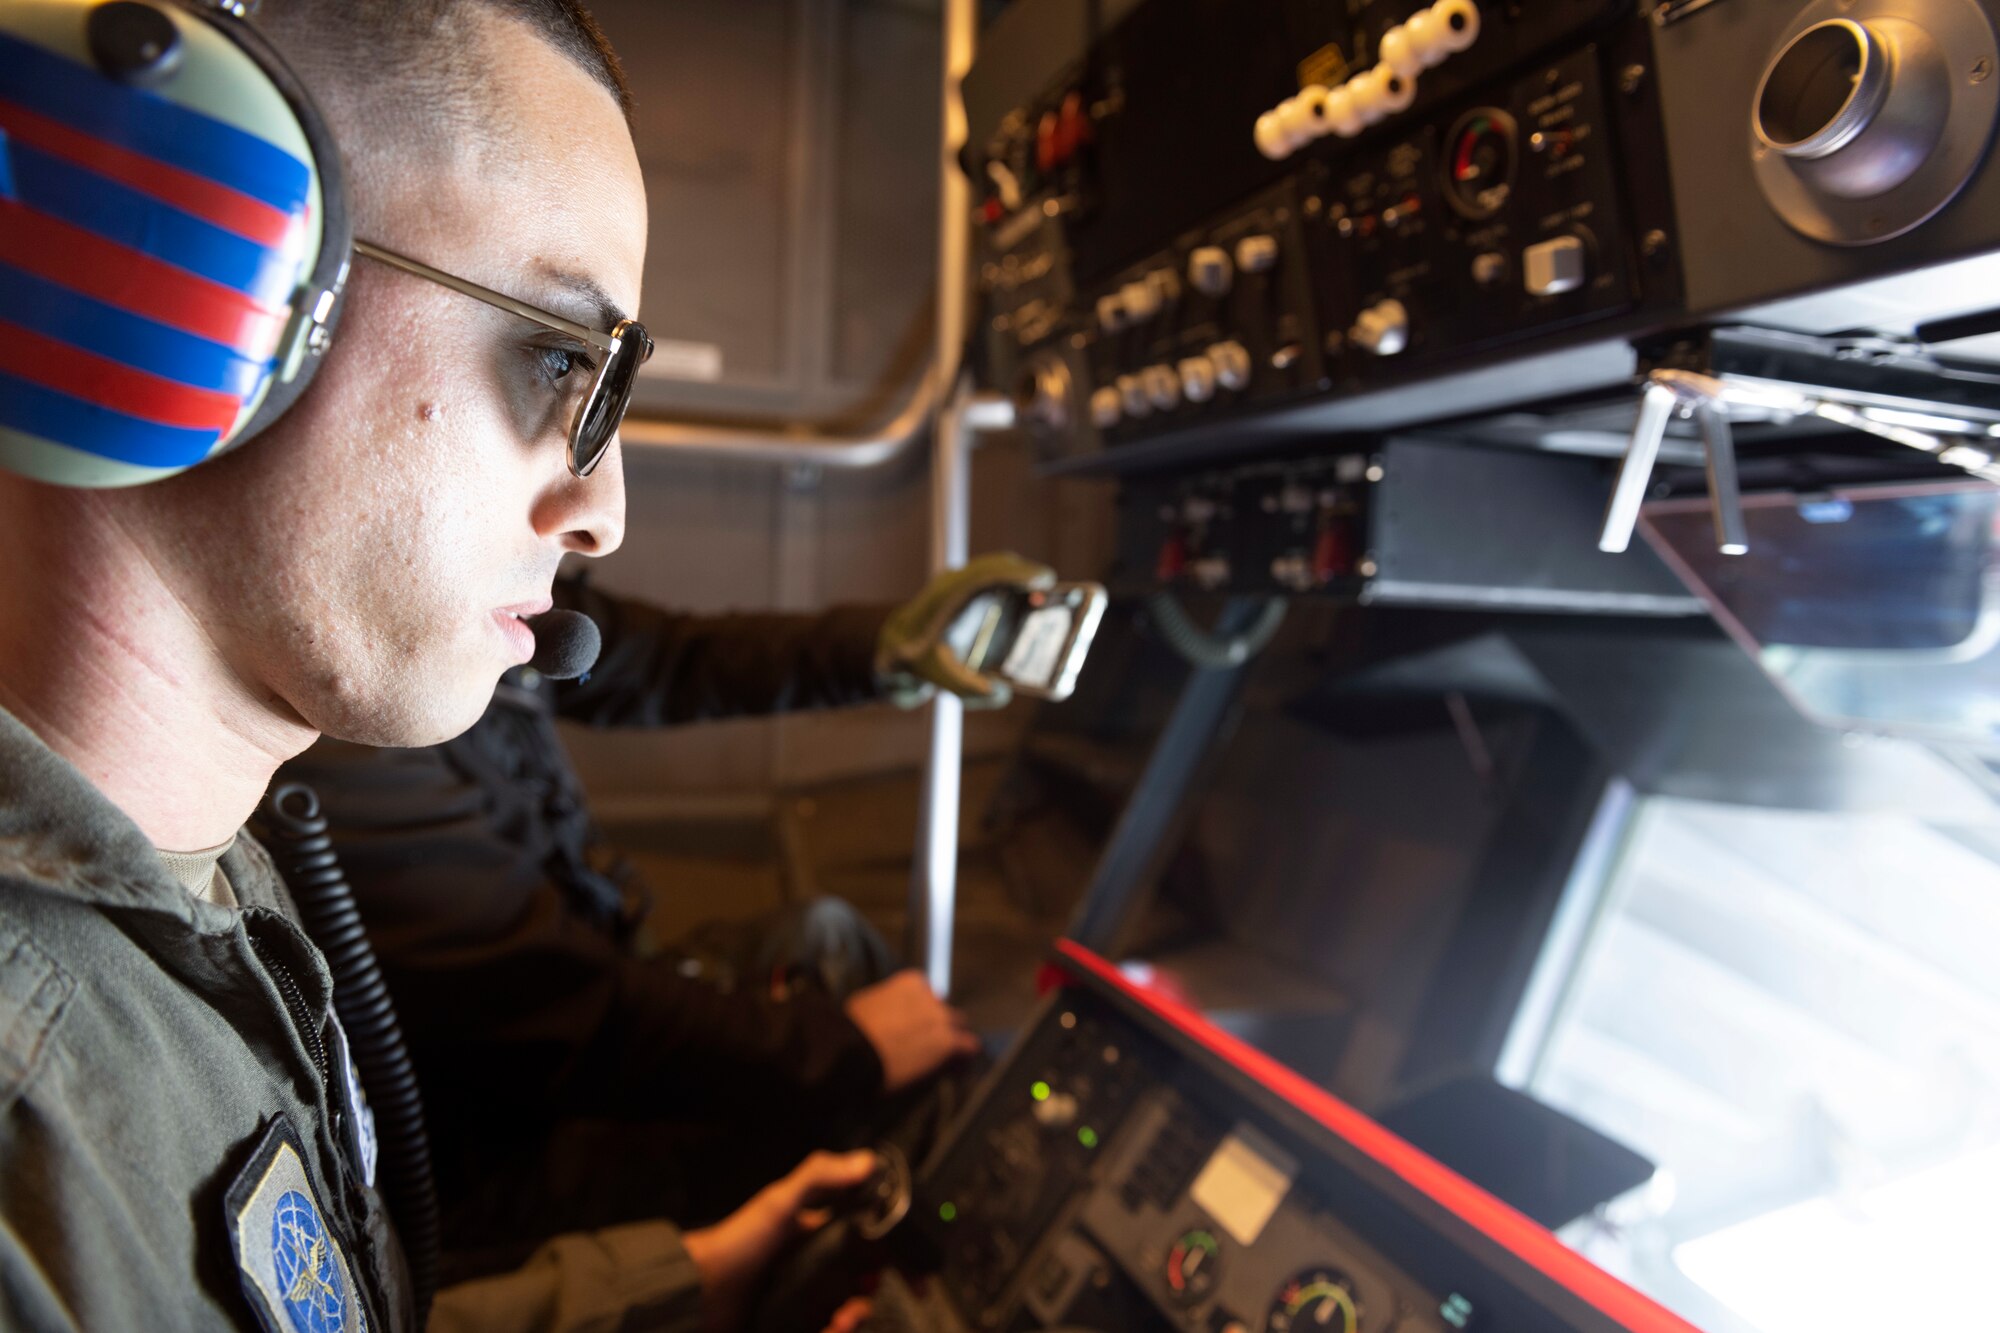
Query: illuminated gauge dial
1191	1265
1319	1298
1480	156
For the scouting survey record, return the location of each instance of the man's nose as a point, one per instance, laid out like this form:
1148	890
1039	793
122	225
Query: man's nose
587	514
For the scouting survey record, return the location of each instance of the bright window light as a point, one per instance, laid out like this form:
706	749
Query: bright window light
1796	1016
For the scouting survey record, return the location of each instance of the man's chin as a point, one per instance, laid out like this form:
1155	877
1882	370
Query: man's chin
415	717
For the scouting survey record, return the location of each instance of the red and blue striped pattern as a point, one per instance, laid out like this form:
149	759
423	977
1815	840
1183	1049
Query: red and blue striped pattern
148	253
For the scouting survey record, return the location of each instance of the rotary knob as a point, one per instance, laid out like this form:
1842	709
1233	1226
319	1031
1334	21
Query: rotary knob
1257	254
1383	328
1232	364
1107	407
1210	272
1141	300
1197	379
1163	387
1132	397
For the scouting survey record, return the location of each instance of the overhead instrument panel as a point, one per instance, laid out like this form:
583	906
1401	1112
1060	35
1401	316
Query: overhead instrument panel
1128	1167
1209	236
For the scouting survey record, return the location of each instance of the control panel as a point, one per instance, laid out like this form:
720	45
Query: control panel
1407	520
1093	1174
1127	1167
1204	235
1460	193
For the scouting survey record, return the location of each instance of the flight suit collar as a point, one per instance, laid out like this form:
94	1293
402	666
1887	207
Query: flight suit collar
59	834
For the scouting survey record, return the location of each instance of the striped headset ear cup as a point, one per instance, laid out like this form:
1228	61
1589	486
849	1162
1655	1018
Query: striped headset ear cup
156	244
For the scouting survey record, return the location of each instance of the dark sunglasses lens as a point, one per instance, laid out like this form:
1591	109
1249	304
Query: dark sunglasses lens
599	417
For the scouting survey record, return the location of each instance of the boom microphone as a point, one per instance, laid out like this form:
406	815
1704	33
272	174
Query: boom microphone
566	644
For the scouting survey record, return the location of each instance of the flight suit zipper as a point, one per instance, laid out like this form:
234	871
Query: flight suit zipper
295	1005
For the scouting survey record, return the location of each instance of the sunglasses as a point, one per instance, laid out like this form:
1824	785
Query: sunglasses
625	348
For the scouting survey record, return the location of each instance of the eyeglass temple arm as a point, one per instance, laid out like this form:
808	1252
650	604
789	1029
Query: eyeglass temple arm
606	342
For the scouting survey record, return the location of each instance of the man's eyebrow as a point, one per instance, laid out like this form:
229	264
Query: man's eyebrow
583	300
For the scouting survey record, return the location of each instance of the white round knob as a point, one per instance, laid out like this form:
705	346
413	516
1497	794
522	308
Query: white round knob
1209	271
1383	328
1111	312
1163	387
1141	300
1342	117
1426	35
1399	52
1311	103
1371	99
1298	121
1270	136
1132	396
1107	407
1197	378
1398	90
1460	21
1257	254
1232	364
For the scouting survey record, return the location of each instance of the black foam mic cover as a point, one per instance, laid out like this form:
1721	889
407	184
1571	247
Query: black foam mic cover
566	644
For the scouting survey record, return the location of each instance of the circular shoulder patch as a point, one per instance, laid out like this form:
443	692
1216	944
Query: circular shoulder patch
309	1282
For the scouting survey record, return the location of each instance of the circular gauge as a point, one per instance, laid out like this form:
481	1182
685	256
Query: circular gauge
1480	156
1318	1298
1191	1265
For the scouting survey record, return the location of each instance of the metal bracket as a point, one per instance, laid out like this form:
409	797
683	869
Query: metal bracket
1961	439
1670	393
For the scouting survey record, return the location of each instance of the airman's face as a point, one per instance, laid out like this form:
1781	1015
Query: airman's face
366	560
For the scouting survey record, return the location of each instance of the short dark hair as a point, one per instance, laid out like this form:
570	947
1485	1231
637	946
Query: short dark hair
429	41
572	30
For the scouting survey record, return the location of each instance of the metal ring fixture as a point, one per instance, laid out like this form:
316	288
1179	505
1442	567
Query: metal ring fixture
1873	114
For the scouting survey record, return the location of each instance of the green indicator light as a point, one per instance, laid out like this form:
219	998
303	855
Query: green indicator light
1039	1091
1087	1137
947	1211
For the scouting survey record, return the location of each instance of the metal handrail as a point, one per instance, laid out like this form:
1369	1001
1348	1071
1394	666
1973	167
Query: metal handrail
796	443
814	444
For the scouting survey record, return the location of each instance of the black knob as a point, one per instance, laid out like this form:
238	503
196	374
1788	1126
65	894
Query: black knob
134	42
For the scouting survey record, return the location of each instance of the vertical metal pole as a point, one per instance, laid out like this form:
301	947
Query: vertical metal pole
934	870
934	882
934	877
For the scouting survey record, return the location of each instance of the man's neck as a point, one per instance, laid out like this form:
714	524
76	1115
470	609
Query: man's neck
102	660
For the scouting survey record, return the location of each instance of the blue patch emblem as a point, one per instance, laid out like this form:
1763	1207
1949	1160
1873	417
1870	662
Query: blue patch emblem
308	1281
294	1266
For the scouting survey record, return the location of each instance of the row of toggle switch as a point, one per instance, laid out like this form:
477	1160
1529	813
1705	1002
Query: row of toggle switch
1162	388
1426	39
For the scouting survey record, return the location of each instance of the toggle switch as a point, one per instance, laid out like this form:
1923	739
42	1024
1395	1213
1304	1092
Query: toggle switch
1552	267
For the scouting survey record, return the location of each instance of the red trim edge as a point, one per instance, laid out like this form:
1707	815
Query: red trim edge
1513	1231
233	211
136	283
111	384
